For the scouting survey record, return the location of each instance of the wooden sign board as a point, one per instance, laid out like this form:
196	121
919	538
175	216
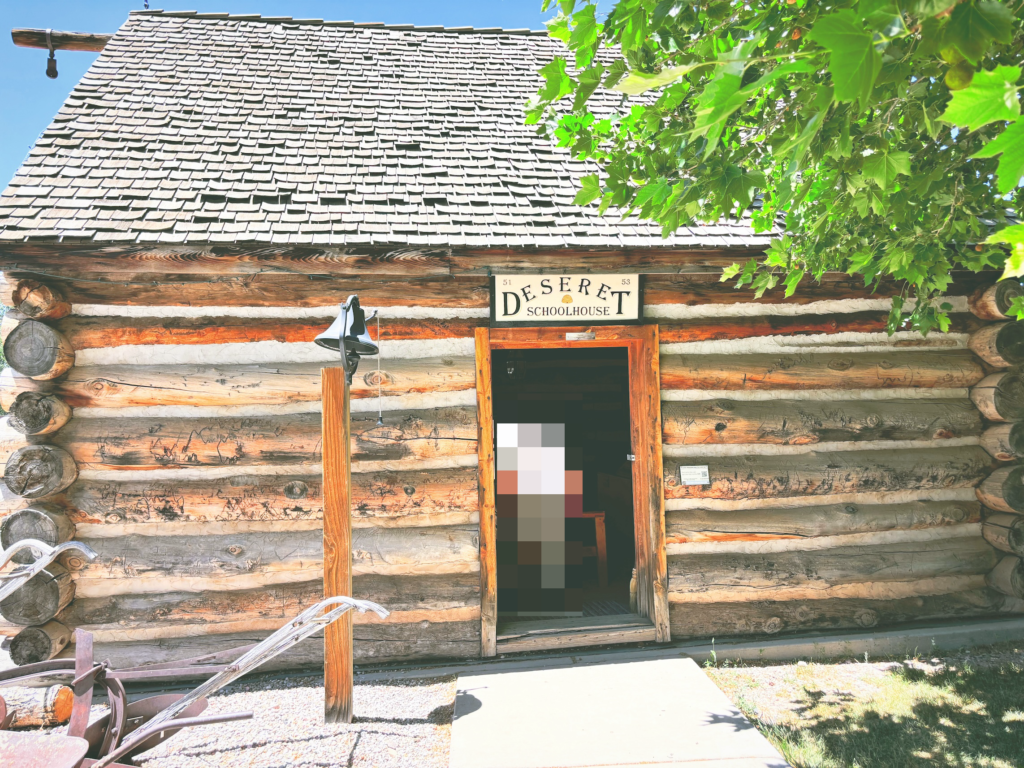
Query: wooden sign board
566	300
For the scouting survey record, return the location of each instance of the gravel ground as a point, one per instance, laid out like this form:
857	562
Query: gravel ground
397	724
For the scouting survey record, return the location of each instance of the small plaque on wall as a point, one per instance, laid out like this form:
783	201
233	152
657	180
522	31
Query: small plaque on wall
694	476
566	300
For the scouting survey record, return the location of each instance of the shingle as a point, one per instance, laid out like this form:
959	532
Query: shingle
249	129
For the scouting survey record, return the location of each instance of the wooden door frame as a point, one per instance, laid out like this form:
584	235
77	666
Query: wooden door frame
641	341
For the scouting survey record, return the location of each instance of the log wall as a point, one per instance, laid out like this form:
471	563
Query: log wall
843	461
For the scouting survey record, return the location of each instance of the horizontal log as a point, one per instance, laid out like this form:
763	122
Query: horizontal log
374	644
695	290
1003	490
39	707
823	474
42	521
35	644
423	593
64	41
758	575
40	599
35	350
726	328
766	618
1000	396
382	499
991	302
269	384
267	290
1005	532
133	563
38	471
322	290
794	422
70	259
821	371
145	443
104	332
1004	442
33	299
33	413
1008	577
1000	345
683	526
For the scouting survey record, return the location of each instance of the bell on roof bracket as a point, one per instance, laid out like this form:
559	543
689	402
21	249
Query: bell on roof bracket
348	335
51	63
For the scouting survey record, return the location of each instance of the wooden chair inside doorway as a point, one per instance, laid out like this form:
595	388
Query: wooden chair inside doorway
600	550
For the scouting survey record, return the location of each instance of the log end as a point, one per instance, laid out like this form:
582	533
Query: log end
38	351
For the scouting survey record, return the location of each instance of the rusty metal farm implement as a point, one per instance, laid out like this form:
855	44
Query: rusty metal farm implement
129	729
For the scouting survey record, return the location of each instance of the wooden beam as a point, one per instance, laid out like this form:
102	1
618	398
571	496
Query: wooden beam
415	498
695	525
767	618
62	259
107	332
821	371
254	290
728	577
134	385
180	443
488	522
277	602
796	422
823	474
337	538
238	561
375	643
63	41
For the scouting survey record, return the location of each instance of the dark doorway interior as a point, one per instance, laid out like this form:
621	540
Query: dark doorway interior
588	391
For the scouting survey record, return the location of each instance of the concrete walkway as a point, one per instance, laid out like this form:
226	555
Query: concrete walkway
662	712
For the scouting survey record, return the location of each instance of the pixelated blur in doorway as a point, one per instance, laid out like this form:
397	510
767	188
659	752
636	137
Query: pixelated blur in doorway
540	484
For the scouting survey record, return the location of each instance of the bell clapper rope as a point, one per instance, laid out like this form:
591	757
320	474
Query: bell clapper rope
380	410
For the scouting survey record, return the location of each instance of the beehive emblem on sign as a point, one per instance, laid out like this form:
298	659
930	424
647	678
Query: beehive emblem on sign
567	299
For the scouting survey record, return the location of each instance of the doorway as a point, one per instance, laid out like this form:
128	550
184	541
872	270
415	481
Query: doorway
573	557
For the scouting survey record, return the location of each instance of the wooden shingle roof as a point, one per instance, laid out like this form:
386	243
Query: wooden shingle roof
209	128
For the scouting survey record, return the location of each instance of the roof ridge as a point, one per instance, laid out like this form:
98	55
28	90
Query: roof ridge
321	22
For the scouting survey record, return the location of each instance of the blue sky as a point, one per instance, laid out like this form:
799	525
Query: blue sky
29	99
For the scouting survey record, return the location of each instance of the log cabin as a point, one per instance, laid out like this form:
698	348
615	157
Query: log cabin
216	185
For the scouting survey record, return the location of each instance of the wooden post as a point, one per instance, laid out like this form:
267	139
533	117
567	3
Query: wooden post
337	458
488	523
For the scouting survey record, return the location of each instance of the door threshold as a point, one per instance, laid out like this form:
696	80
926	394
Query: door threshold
556	634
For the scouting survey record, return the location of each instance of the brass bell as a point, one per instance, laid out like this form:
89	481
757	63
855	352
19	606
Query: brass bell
349	326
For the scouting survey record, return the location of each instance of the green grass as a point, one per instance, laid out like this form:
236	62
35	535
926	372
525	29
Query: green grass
957	717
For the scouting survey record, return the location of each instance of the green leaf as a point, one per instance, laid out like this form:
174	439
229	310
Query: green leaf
723	95
558	28
884	17
556	82
615	72
590	190
883	167
793	280
584	35
730	272
589	79
1010	146
636	83
991	97
972	25
853	61
932	7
